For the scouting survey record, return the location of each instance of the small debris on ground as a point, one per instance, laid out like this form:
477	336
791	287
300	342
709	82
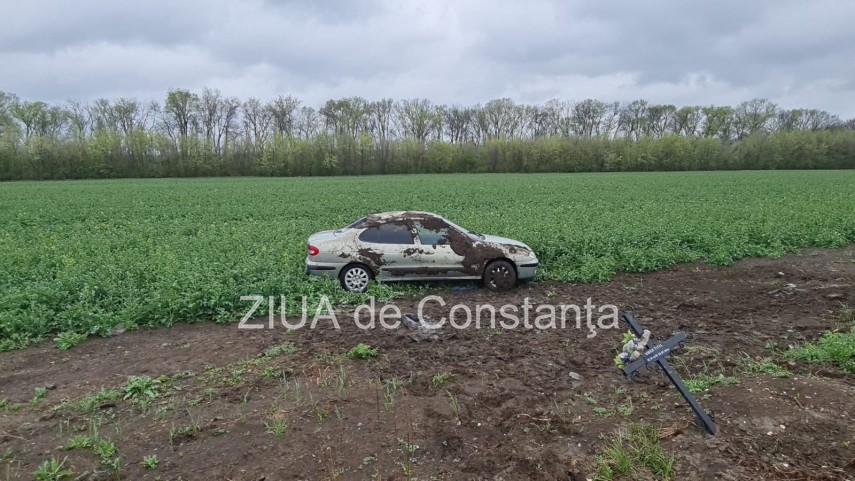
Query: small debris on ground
421	330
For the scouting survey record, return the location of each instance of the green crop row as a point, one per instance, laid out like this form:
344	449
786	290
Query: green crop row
85	256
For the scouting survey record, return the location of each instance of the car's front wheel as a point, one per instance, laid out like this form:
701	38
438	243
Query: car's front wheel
355	277
500	275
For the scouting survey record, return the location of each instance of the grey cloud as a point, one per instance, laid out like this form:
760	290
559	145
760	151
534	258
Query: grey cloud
327	11
450	51
39	26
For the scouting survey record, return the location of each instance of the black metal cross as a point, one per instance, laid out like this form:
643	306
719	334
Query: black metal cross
656	354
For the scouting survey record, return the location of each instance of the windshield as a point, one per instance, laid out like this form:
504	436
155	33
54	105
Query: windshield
354	225
473	235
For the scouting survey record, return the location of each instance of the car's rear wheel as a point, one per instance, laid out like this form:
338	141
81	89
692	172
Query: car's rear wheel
499	275
355	277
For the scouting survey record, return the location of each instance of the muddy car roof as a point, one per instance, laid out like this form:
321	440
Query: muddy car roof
401	214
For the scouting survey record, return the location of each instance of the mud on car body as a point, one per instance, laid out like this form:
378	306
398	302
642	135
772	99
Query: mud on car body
416	246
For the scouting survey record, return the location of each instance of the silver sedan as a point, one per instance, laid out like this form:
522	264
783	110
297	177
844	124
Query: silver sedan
416	246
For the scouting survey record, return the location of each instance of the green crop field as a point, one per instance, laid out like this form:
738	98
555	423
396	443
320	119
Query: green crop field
84	256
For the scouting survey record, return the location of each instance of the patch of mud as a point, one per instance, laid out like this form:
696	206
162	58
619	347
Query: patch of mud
370	257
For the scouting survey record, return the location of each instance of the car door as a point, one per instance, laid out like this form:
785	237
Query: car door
389	248
437	256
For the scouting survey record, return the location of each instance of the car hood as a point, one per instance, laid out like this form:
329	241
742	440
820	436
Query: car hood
504	240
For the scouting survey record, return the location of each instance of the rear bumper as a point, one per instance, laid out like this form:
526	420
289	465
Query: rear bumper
323	269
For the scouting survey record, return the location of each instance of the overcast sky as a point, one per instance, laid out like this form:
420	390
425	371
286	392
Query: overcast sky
797	53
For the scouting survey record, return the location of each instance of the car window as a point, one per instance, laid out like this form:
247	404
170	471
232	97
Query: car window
388	234
467	232
431	237
357	224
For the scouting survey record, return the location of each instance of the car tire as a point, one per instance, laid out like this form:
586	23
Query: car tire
355	277
499	275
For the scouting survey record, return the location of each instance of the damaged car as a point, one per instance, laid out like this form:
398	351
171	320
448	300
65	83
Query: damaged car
416	246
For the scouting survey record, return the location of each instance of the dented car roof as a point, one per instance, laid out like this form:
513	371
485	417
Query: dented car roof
401	214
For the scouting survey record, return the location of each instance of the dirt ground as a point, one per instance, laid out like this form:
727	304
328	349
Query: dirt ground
475	404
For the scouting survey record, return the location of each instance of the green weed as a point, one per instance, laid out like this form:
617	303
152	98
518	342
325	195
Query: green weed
79	442
52	470
150	462
142	389
440	379
362	351
105	450
764	366
94	401
40	393
633	453
835	348
704	381
276	426
67	340
454	403
286	348
603	412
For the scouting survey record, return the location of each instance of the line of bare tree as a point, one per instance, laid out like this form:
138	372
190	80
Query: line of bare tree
208	133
